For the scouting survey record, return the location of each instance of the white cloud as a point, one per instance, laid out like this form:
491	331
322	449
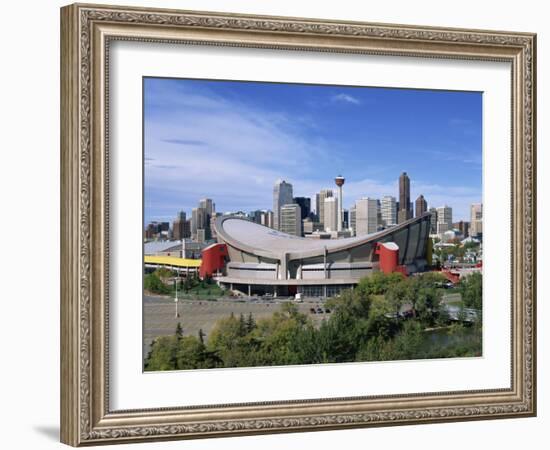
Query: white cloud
346	98
225	150
466	157
233	153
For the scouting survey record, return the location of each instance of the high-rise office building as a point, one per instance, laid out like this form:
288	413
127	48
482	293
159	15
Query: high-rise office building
151	230
366	216
282	195
199	221
305	205
463	227
476	219
255	216
433	220
181	227
208	205
309	226
164	227
201	235
405	212
210	209
421	206
291	219
389	211
345	225
320	204
353	219
330	214
266	219
444	219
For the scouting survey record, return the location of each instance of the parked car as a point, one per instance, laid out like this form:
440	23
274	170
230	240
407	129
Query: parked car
312	310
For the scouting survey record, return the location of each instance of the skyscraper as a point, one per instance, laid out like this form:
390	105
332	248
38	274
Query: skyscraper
282	195
255	216
444	219
353	219
330	211
320	204
305	205
339	180
366	216
199	221
476	219
208	205
404	198
266	219
389	211
433	220
463	227
291	219
345	225
421	206
180	227
201	235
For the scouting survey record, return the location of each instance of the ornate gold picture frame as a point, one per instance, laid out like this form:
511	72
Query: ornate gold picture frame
87	32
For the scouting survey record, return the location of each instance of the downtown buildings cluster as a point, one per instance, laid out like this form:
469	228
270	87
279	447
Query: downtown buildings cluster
329	220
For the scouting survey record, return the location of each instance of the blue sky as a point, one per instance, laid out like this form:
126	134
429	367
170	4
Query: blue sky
230	141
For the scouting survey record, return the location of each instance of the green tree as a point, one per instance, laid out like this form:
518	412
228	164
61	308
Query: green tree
242	326
289	309
179	331
192	354
430	308
230	342
250	323
163	272
344	332
188	284
471	288
163	354
153	283
356	303
396	296
378	283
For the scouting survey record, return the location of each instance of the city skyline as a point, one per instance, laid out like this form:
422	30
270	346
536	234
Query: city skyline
400	130
385	208
380	214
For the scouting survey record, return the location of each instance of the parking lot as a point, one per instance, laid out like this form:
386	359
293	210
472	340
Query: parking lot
159	314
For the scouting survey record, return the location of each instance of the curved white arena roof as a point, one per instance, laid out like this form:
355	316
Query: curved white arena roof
258	239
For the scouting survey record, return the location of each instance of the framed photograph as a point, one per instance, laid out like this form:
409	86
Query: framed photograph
276	224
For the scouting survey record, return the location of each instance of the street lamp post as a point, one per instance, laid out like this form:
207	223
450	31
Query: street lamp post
176	298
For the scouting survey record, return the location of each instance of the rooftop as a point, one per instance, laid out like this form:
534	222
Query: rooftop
172	261
255	238
154	247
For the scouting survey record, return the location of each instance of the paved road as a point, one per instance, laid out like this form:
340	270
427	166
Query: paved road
160	320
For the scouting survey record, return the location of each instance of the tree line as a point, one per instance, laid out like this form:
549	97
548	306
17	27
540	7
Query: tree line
386	317
160	282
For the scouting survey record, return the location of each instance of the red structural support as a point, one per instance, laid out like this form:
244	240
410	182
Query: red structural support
388	256
213	259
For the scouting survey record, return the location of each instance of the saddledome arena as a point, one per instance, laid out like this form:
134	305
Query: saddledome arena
259	260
